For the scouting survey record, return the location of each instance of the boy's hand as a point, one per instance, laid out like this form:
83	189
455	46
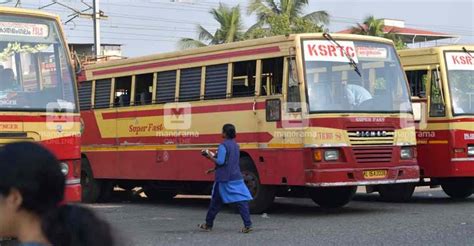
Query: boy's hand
210	171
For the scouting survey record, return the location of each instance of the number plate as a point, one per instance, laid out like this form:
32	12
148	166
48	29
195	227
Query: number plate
375	174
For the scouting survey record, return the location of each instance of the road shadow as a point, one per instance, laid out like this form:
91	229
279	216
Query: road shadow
425	198
281	206
304	207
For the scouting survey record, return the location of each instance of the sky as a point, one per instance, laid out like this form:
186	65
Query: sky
147	27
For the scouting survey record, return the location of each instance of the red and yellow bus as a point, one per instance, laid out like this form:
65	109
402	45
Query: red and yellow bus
316	115
442	88
38	100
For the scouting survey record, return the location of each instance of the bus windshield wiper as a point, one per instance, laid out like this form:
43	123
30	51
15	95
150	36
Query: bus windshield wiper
465	50
351	61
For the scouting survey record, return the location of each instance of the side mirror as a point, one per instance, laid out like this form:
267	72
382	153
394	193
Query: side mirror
273	110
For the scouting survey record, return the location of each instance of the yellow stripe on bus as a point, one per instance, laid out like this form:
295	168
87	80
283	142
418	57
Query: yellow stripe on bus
438	141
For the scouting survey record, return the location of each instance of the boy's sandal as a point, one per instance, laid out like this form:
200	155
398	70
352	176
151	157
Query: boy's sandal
205	227
246	229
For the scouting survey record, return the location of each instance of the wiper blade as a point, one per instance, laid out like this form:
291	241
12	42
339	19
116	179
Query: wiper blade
465	50
351	61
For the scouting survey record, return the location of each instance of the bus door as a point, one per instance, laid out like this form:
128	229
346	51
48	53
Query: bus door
282	121
438	133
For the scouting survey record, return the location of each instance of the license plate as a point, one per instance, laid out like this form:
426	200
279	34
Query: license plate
375	174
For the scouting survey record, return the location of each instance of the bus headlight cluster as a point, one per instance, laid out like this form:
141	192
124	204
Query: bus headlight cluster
331	155
470	150
406	153
64	168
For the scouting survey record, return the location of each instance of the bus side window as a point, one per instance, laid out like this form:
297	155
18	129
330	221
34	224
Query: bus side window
166	87
190	84
102	93
418	79
272	76
123	89
215	86
437	108
243	80
85	95
143	89
294	97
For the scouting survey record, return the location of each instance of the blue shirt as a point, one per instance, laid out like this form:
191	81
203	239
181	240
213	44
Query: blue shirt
221	153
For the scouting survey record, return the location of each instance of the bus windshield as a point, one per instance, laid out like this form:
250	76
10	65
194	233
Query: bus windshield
461	81
374	82
35	70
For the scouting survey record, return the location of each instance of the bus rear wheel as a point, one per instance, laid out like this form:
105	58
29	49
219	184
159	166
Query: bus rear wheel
396	192
94	190
90	186
332	197
263	195
458	188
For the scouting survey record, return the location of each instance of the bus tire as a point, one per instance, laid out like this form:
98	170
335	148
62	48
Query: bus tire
458	188
154	194
396	192
332	197
91	188
263	195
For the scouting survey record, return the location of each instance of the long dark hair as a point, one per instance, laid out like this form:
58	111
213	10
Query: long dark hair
229	131
35	173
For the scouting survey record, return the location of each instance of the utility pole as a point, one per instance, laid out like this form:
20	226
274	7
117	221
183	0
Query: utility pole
96	18
96	15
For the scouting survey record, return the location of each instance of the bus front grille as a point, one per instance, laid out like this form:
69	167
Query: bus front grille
373	154
371	137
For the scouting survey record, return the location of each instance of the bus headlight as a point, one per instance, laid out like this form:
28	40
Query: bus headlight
406	153
331	155
470	150
64	168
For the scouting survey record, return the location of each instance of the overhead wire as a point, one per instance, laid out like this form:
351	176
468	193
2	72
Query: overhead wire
201	6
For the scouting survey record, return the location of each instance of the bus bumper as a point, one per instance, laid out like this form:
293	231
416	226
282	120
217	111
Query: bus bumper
462	167
355	177
73	193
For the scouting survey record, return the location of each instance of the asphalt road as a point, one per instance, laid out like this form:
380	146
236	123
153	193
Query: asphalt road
431	218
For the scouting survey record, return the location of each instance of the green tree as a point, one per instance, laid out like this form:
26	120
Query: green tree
284	17
230	30
375	27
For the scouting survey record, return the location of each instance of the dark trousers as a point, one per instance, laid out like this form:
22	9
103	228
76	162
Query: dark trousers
216	205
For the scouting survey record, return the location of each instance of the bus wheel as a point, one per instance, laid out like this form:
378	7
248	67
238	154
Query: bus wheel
154	194
458	188
263	195
396	192
332	197
90	186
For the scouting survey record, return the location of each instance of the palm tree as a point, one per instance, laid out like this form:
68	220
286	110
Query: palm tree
230	30
376	27
371	26
292	10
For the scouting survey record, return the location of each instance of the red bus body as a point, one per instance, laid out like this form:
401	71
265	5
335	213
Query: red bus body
41	104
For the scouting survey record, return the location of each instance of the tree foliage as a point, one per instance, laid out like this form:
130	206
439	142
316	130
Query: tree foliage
284	17
230	30
274	17
375	27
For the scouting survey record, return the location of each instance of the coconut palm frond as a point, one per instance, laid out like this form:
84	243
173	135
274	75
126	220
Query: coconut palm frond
189	43
318	17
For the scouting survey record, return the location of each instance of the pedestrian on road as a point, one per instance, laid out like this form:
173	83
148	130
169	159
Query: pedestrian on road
229	186
31	191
